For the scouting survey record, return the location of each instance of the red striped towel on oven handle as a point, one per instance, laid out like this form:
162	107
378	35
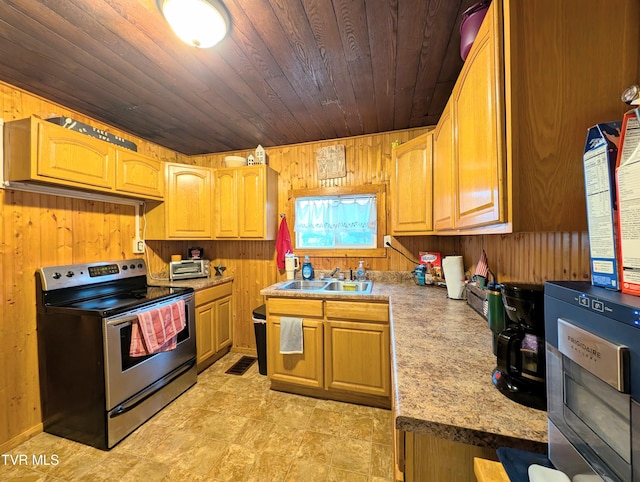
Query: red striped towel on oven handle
157	330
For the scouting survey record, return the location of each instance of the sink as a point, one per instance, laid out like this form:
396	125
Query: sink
305	285
361	287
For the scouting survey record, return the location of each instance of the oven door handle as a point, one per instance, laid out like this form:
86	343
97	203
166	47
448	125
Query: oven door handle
151	390
132	316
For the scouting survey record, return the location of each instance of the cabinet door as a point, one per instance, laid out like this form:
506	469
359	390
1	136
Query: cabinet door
139	175
443	207
411	187
357	357
205	332
223	324
225	209
305	369
66	155
189	202
251	203
478	169
428	457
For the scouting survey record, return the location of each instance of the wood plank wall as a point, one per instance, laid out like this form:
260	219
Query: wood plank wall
533	257
41	230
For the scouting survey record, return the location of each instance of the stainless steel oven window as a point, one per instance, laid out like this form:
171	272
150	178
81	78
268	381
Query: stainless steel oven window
599	415
125	342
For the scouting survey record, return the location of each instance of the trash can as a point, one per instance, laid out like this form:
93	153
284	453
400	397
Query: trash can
260	327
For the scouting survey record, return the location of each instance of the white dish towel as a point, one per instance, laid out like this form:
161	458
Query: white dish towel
290	335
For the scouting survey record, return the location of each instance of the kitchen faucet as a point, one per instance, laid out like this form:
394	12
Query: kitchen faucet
332	274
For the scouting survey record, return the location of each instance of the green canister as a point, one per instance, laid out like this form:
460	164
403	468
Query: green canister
495	316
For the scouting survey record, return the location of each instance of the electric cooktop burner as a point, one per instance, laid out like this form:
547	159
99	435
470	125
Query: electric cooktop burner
103	288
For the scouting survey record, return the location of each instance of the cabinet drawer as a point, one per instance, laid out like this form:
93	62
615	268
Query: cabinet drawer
207	295
291	307
350	310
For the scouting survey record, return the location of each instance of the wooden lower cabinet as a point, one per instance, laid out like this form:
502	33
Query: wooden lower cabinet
357	347
347	367
346	350
303	369
426	458
214	317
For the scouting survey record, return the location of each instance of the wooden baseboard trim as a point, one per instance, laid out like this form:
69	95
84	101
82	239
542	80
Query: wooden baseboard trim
23	437
370	400
212	359
245	351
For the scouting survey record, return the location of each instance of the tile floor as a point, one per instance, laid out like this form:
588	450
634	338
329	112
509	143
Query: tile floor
226	428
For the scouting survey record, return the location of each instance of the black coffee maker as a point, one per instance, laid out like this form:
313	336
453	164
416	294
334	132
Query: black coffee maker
520	353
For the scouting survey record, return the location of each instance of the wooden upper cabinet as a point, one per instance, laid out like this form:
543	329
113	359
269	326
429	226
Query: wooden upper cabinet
529	90
189	201
186	211
245	203
479	186
252	205
139	175
225	203
411	187
37	150
443	172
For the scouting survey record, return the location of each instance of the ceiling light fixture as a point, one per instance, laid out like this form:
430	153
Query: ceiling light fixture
201	23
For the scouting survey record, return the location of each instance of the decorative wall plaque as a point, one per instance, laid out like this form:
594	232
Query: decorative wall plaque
331	162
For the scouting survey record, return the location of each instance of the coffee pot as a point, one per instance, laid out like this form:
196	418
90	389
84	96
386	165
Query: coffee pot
291	264
520	350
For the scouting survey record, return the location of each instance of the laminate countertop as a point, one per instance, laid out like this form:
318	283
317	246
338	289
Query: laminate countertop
442	363
196	283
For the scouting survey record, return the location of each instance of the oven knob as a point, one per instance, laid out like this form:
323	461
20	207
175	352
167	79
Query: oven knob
70	274
124	267
140	265
132	266
56	275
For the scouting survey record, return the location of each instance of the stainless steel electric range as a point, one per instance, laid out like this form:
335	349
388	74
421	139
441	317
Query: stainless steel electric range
93	390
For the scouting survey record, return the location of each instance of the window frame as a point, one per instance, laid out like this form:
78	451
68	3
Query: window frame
381	218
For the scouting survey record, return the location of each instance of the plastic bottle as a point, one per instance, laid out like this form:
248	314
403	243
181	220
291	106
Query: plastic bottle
307	268
361	274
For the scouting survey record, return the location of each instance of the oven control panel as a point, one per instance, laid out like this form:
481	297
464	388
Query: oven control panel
613	305
59	277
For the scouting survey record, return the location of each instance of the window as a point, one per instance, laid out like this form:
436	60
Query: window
340	221
348	221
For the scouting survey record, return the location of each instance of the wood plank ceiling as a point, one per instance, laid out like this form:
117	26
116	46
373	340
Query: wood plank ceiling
290	71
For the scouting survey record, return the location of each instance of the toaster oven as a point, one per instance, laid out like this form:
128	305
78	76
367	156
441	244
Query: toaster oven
188	269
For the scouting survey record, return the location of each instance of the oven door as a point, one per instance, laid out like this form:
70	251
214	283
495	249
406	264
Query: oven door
125	376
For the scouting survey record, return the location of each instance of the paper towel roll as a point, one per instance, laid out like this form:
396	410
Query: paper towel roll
453	268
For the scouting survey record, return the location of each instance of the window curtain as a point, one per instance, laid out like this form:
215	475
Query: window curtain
334	215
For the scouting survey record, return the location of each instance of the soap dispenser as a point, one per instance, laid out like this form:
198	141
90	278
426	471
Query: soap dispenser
361	274
307	268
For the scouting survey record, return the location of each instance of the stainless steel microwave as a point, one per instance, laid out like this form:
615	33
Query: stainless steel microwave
189	268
